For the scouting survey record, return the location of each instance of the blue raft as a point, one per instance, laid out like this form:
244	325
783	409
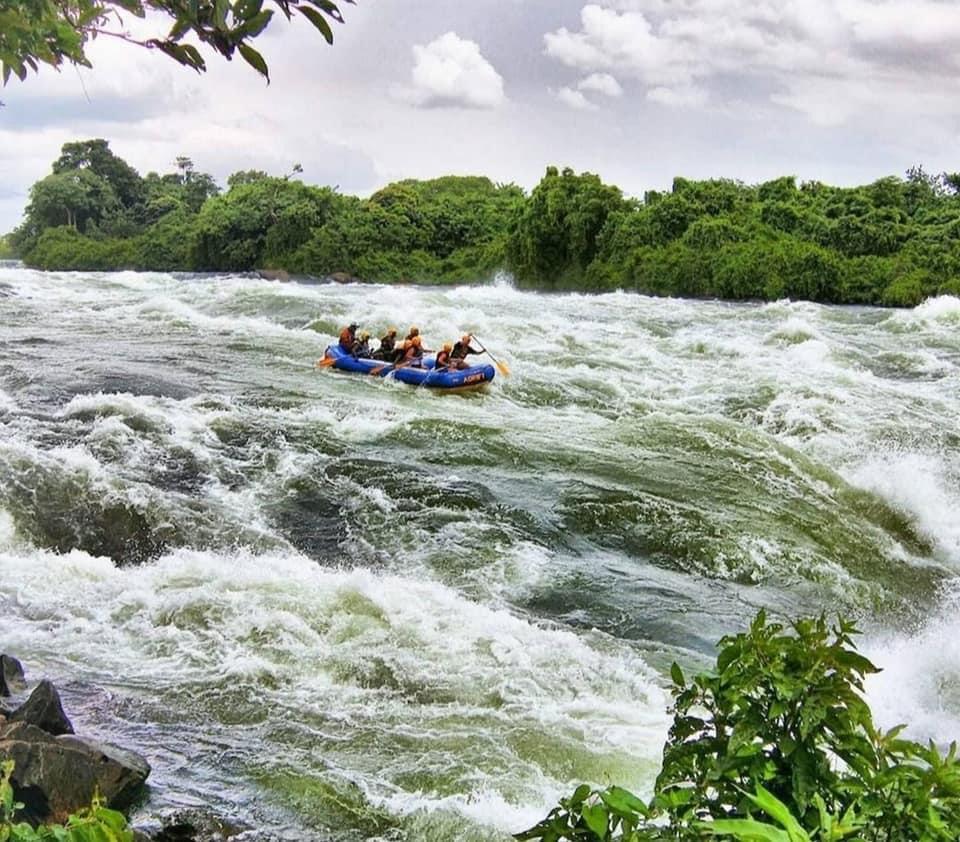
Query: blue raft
447	380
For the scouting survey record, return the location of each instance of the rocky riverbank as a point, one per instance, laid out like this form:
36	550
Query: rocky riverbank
58	772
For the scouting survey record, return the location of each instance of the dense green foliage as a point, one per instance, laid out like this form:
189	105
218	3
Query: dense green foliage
53	32
778	730
95	212
6	247
94	824
447	229
557	231
893	242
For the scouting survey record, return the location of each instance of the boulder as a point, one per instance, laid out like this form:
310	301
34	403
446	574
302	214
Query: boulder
342	278
274	274
198	826
11	676
55	776
44	710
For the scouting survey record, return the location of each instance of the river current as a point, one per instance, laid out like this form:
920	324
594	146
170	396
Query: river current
336	607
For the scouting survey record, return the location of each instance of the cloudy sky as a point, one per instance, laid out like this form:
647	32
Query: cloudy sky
844	91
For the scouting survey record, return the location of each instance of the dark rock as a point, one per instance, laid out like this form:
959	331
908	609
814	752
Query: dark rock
196	826
11	676
44	710
56	776
342	278
274	274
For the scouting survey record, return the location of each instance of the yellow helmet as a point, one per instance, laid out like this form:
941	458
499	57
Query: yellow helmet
448	347
391	331
364	334
414	330
465	339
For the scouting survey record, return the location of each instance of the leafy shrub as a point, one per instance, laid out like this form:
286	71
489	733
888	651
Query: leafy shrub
65	248
779	727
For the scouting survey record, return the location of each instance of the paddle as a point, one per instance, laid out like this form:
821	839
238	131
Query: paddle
503	368
326	362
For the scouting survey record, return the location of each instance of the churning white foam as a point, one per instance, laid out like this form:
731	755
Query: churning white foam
916	483
943	307
200	619
920	682
8	531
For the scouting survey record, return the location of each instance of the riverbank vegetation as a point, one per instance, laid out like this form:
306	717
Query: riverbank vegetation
778	744
893	242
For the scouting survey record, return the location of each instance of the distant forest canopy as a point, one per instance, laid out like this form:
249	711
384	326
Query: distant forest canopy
893	242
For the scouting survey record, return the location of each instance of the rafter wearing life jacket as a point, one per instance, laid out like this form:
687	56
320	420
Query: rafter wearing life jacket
348	336
460	351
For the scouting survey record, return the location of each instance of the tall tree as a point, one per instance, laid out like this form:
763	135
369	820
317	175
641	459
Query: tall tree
556	233
95	156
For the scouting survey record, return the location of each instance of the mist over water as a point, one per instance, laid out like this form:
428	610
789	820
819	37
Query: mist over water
338	607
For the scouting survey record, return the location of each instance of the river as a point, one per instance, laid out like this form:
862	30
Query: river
336	608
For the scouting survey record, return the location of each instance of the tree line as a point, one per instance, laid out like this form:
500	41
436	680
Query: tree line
893	242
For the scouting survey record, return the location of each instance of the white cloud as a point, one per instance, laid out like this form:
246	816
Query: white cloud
451	71
575	99
685	96
601	83
866	52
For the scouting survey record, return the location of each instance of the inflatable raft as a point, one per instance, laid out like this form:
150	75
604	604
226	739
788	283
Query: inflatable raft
446	380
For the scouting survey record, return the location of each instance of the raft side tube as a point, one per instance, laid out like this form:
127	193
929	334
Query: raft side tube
424	375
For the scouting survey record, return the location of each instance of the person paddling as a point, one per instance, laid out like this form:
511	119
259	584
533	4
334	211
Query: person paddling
348	336
443	357
412	354
361	346
402	348
387	345
460	351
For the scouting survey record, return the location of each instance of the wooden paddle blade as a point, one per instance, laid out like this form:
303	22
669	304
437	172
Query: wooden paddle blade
326	362
504	369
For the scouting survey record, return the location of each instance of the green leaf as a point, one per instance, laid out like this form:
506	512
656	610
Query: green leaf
254	26
677	675
220	9
319	21
135	7
744	830
624	801
254	59
779	812
329	8
596	817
